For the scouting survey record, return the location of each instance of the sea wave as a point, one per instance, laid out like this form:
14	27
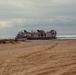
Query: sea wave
66	36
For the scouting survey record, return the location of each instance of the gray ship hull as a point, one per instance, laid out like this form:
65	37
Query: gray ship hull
40	38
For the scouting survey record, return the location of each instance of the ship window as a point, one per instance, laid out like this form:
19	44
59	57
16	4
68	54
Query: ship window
45	35
41	35
38	35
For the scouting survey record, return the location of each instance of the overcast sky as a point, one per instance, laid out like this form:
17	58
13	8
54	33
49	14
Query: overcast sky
17	15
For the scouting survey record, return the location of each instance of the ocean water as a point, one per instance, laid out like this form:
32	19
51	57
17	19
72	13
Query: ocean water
66	36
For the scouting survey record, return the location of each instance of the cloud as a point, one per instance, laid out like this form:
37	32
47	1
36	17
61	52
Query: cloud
30	14
36	8
58	20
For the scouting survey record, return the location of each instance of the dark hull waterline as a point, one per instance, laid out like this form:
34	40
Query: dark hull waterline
41	38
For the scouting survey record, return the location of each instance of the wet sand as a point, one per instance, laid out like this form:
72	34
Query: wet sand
38	57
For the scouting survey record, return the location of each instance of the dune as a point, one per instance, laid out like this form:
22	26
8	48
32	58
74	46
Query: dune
38	57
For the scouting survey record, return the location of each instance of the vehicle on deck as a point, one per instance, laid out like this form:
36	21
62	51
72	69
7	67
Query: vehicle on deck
39	34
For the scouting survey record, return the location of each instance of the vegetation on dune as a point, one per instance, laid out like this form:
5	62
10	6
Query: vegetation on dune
5	41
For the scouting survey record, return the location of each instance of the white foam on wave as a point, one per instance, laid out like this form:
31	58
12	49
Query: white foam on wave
66	36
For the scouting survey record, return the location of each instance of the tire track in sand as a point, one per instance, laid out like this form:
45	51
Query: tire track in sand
4	66
51	47
65	70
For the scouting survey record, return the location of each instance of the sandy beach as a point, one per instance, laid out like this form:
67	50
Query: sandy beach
38	57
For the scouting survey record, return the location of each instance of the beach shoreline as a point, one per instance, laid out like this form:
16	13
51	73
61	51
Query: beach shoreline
38	57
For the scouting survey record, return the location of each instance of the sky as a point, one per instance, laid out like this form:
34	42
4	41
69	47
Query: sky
18	15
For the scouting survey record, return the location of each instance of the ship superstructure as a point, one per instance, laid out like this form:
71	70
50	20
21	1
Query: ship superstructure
39	34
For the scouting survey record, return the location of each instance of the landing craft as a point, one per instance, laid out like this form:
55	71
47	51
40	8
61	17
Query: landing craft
39	34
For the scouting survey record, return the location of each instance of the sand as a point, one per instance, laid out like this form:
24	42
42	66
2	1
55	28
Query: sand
38	57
